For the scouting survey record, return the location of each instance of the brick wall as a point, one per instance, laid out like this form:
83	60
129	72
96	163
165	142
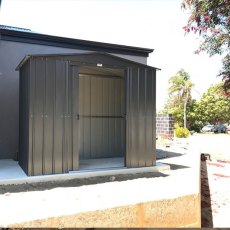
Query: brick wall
164	124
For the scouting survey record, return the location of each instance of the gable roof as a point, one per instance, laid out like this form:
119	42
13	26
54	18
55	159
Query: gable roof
9	33
90	58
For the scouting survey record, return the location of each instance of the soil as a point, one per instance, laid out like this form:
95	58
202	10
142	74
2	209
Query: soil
215	193
215	181
41	186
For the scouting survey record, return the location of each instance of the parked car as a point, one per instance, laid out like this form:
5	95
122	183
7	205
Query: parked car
220	129
228	127
208	128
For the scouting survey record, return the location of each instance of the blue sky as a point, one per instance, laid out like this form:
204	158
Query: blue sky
153	24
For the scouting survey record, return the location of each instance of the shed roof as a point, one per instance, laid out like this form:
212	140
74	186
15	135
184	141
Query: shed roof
100	57
9	33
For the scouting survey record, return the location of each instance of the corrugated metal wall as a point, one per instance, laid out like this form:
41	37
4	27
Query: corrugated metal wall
102	116
50	139
116	114
141	96
23	117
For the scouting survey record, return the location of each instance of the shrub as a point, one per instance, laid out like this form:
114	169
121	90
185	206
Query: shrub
181	132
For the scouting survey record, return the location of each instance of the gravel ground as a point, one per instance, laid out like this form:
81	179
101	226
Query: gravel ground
215	187
215	181
215	175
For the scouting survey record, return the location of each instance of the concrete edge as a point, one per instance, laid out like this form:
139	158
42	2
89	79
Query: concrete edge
165	213
85	174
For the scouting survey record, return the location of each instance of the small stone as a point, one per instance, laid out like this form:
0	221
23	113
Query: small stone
112	178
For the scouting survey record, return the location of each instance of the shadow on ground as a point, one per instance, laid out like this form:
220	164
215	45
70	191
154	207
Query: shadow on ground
165	154
41	186
162	154
175	167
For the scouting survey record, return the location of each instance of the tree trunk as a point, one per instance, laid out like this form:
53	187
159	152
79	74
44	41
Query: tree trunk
185	114
185	109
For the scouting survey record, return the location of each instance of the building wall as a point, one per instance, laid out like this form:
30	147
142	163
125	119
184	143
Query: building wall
164	124
11	53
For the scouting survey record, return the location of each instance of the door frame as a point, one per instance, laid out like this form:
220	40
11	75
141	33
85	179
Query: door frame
74	99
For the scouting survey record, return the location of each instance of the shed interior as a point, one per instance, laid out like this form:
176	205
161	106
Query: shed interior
101	115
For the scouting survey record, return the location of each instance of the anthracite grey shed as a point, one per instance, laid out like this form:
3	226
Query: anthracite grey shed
85	106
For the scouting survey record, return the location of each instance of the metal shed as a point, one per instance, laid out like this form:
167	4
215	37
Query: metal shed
85	106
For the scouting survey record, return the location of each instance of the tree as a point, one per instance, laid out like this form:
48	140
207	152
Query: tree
180	90
214	107
195	121
211	19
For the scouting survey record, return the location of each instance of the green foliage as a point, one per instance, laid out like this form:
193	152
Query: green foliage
214	107
181	132
179	96
211	19
180	85
195	123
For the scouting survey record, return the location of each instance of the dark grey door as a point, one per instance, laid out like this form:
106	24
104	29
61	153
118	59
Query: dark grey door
102	116
141	111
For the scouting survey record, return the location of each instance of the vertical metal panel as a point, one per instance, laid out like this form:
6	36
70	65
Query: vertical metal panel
22	153
69	129
23	117
142	117
140	112
85	122
133	116
94	129
38	116
154	115
149	118
111	120
60	99
66	128
75	114
26	115
49	116
32	117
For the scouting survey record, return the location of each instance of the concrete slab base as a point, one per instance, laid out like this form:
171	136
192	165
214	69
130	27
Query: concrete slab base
11	172
173	213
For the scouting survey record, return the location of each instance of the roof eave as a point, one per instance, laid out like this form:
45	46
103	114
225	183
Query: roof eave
43	39
27	57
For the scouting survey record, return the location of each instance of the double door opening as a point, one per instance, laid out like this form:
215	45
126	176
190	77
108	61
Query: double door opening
102	121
